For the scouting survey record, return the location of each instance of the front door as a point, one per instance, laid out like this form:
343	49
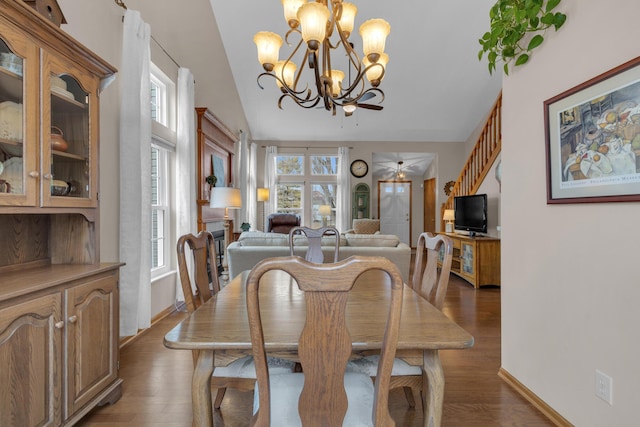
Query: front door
394	209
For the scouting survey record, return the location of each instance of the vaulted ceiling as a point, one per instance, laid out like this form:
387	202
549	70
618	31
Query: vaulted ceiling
435	87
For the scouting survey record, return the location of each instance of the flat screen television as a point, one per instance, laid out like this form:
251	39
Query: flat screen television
470	213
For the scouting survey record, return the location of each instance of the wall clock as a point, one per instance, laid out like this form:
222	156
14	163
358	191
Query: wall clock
359	168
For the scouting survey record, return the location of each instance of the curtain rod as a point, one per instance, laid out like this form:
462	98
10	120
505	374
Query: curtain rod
124	6
306	148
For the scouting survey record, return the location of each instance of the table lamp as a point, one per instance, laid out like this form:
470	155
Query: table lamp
263	196
325	212
227	198
449	217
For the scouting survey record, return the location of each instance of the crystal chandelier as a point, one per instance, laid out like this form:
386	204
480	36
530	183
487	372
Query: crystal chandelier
316	23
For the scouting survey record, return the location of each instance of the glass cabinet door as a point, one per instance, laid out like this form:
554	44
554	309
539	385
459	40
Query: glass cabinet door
18	121
467	259
69	142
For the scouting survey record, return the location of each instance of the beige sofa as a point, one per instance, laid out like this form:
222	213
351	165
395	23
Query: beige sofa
253	246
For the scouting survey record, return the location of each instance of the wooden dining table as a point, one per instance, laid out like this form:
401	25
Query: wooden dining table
219	329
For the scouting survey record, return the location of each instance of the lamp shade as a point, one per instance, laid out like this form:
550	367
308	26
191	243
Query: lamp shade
375	73
336	80
291	11
324	210
263	194
347	18
313	19
286	71
449	215
268	45
374	34
225	197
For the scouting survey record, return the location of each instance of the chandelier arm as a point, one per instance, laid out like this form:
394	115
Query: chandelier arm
354	59
287	89
292	30
301	103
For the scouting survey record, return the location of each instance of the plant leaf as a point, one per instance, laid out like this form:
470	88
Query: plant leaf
535	42
547	18
506	69
551	4
558	20
522	59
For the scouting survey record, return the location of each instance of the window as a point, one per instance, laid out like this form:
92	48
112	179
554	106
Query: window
159	207
163	111
305	183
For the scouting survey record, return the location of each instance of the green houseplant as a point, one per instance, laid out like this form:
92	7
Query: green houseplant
511	21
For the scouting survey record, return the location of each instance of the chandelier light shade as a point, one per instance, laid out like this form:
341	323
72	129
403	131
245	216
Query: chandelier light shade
336	81
268	48
286	71
313	18
291	11
374	34
310	75
375	74
348	18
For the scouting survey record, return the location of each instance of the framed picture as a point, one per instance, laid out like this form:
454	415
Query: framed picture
593	139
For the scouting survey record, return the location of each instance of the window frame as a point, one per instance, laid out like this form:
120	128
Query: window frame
307	180
163	205
164	139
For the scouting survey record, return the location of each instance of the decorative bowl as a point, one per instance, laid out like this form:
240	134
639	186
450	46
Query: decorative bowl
59	188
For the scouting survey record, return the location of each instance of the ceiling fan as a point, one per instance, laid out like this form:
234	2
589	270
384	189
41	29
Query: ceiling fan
349	106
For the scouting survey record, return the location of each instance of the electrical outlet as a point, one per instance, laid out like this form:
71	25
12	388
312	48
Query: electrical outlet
604	387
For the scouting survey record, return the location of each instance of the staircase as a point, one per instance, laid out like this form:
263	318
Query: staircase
481	158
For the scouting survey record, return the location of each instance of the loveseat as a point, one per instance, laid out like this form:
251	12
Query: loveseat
254	246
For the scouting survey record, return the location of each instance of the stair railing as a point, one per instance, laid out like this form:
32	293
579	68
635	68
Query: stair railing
481	158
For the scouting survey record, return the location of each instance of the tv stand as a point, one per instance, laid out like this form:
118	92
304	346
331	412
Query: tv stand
476	259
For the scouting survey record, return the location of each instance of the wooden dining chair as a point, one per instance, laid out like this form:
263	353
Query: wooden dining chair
323	395
314	241
431	282
240	374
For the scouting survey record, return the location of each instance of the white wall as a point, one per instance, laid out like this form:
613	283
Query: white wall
570	288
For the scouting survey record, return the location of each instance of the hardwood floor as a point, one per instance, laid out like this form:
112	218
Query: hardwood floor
156	389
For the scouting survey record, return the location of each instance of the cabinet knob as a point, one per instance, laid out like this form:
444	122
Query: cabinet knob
34	174
73	319
59	325
48	176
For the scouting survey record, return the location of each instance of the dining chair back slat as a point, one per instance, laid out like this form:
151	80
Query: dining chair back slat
314	241
428	279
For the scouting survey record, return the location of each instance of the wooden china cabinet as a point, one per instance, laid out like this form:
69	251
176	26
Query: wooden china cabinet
59	305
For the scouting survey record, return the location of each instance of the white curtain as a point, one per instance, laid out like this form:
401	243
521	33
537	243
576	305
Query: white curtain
343	202
185	194
135	176
270	180
252	186
246	173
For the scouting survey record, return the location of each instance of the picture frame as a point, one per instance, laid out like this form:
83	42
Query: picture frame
592	134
